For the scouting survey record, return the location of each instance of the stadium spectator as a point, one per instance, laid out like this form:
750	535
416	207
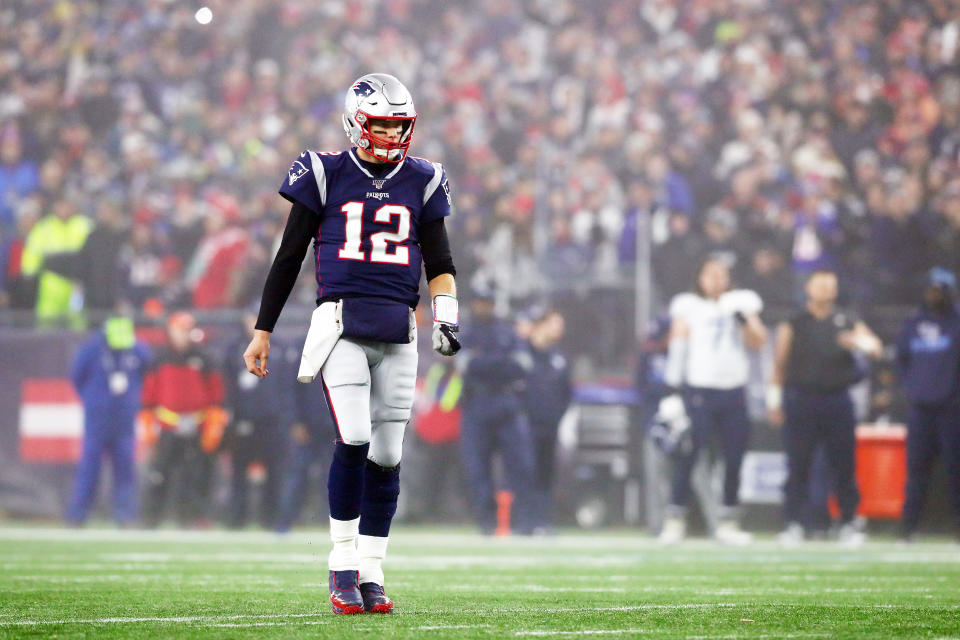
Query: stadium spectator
815	363
147	266
18	290
18	175
96	266
769	114
212	274
108	373
60	231
928	355
183	393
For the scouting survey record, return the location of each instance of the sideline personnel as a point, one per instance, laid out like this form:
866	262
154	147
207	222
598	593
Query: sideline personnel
928	356
814	367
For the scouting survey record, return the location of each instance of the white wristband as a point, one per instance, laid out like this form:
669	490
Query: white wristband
446	309
774	396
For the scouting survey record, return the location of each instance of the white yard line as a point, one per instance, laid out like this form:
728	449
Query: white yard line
134	620
582	632
763	635
298	617
442	627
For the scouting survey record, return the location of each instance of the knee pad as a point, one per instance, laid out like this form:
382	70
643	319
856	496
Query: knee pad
394	385
386	444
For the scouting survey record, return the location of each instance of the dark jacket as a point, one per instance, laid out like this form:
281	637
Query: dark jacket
928	357
548	388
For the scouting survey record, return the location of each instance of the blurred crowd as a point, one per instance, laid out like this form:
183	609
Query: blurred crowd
140	150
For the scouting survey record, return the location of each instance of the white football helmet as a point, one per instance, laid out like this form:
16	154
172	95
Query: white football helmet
379	96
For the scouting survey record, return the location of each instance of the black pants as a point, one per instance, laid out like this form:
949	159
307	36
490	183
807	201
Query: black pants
544	465
433	479
301	460
719	415
178	462
812	418
255	442
932	430
483	433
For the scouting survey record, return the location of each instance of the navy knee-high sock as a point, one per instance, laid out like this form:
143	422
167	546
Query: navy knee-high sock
346	480
381	488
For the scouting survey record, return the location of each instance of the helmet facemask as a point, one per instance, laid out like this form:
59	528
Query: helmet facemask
382	148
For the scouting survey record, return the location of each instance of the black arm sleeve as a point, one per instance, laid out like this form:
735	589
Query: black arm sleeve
435	247
300	229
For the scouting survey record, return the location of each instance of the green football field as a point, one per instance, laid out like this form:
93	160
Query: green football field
453	584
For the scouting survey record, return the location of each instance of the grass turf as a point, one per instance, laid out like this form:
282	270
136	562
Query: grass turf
448	584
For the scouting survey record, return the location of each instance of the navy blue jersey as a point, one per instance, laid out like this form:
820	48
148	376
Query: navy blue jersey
366	242
928	356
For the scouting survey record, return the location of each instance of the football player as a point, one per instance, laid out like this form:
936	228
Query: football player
373	214
707	364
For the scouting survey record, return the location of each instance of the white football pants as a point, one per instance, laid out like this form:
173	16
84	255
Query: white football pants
370	387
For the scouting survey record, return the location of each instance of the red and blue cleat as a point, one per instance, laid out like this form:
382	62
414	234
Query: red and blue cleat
345	593
374	599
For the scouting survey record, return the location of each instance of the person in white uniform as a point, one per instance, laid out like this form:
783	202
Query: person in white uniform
711	333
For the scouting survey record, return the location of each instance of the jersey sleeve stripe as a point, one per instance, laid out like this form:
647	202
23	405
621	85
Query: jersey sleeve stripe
434	182
320	175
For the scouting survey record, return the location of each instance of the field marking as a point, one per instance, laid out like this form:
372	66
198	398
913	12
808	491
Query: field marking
217	619
583	632
442	627
618	541
165	619
731	636
533	588
223	619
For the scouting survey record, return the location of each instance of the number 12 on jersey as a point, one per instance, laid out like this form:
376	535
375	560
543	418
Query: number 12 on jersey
380	249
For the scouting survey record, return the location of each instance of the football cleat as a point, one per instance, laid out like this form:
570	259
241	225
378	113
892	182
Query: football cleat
729	532
850	536
792	536
673	532
345	593
374	599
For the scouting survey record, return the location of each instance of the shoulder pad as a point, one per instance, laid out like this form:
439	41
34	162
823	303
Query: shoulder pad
682	304
422	165
746	300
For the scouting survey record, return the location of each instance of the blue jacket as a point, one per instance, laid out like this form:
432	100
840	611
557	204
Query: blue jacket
494	376
110	381
548	387
928	357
